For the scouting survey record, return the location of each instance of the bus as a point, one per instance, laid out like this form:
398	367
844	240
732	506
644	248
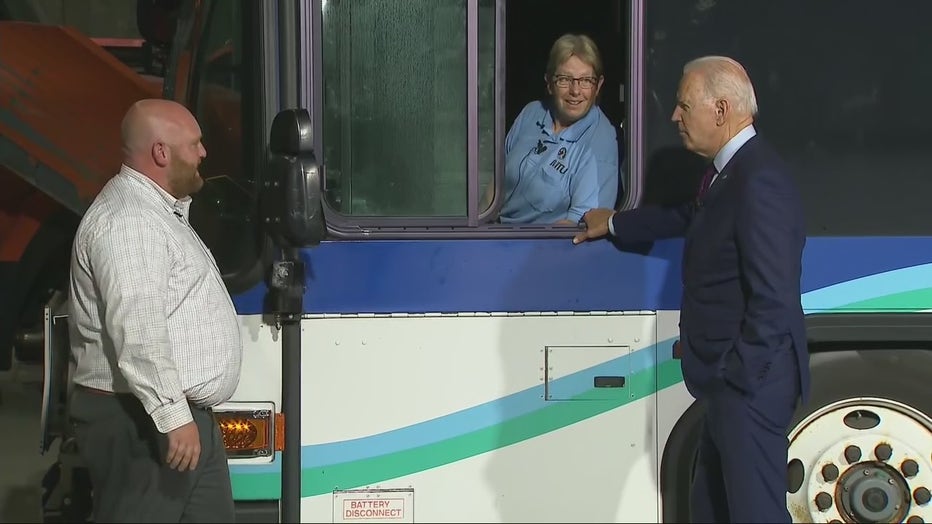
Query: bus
409	359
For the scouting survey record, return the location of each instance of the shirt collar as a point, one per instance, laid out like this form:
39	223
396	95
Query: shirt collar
731	147
574	131
174	204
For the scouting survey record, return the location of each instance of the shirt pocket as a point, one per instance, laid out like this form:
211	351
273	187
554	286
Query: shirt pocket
549	193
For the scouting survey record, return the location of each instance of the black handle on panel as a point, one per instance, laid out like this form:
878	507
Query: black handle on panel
608	382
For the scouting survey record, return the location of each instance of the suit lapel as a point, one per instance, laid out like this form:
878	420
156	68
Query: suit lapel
729	172
699	215
717	186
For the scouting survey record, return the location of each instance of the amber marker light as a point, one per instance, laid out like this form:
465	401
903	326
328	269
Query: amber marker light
248	434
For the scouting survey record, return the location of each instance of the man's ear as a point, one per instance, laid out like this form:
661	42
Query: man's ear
721	111
547	83
161	154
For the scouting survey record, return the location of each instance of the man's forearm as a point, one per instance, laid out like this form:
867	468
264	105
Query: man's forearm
649	223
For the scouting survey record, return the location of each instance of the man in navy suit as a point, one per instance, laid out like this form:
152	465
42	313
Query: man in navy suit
742	333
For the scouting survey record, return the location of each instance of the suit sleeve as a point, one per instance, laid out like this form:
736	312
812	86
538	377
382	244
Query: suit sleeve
770	239
649	223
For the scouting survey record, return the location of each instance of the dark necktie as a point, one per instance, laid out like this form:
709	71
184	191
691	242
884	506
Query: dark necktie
706	181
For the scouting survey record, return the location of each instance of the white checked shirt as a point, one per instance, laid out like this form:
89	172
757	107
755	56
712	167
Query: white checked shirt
149	314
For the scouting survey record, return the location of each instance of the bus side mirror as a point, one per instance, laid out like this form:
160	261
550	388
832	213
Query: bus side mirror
290	194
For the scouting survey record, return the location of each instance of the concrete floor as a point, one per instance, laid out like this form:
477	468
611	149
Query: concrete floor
21	465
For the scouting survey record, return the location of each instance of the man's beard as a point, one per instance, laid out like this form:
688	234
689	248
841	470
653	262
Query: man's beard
185	178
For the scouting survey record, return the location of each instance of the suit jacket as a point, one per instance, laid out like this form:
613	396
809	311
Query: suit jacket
741	312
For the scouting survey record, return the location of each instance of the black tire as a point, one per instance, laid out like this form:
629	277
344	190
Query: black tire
678	464
25	284
76	506
901	375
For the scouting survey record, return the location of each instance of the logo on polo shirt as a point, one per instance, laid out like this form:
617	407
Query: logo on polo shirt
561	154
559	166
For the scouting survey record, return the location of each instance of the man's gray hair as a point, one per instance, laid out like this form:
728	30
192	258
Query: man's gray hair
726	78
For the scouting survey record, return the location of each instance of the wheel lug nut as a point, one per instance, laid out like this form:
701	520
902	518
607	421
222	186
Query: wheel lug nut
915	520
830	472
921	495
852	454
910	468
883	452
823	501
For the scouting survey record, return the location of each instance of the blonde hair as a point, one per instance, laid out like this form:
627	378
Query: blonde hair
580	46
725	78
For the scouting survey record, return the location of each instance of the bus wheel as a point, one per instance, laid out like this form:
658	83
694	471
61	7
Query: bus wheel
678	464
860	450
66	493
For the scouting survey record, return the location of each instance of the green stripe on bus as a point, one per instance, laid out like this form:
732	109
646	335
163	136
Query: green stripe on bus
905	302
557	414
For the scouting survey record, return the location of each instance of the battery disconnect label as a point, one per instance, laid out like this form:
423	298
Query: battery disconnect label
374	505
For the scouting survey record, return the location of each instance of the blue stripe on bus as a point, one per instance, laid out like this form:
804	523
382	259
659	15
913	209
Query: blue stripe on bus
482	275
543	274
869	287
468	420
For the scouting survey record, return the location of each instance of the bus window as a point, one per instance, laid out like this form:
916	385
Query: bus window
395	106
395	136
221	211
533	26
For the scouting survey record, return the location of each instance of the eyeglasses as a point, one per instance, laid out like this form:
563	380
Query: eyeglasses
586	82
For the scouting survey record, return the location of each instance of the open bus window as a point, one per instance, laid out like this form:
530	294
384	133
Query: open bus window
532	28
395	95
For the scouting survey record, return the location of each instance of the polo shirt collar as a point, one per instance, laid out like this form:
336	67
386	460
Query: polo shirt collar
572	133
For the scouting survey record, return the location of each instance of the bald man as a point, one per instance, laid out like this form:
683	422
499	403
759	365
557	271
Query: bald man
742	333
154	334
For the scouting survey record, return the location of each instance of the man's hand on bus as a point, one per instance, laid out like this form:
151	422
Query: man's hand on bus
184	447
596	222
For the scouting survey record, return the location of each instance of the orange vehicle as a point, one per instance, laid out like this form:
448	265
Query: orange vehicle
62	95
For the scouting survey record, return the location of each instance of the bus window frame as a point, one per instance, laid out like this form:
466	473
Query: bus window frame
183	84
476	223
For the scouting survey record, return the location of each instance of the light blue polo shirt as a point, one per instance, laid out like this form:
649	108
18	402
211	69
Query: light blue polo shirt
556	177
603	142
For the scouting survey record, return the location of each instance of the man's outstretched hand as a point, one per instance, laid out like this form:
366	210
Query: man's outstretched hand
596	221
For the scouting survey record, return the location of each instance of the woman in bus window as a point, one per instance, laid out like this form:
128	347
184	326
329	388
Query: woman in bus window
561	155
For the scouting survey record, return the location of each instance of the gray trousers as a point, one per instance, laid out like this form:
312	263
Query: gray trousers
125	456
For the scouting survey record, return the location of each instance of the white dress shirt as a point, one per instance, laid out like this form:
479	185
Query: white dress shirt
731	147
149	313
